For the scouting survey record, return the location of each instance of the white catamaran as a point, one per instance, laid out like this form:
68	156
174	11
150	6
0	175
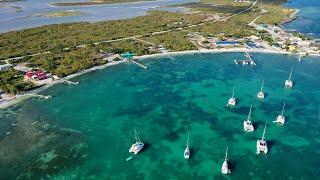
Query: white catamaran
137	146
281	117
289	82
247	124
232	101
260	94
186	153
262	146
225	166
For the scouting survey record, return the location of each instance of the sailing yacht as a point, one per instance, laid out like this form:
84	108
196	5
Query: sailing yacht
232	101
137	146
247	124
281	118
186	153
261	93
289	82
225	166
262	146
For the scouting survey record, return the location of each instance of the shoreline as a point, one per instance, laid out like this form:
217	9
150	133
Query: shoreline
34	93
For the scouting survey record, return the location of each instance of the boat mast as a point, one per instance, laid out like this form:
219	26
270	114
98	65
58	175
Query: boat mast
264	131
232	92
282	112
262	86
188	140
136	136
226	157
249	115
290	73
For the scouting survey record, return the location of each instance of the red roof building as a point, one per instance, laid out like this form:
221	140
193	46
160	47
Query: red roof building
35	75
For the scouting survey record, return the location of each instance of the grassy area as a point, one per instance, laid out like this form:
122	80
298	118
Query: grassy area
95	2
66	58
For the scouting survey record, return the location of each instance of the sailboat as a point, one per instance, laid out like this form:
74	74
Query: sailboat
281	118
289	82
186	153
225	166
232	101
137	146
261	93
247	124
262	146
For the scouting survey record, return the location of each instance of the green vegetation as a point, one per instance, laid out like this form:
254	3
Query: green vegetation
12	82
94	2
72	45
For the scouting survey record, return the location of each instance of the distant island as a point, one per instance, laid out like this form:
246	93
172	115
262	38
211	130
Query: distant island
57	51
94	2
62	13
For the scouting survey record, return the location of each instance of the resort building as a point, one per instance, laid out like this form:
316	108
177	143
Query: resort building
36	75
227	43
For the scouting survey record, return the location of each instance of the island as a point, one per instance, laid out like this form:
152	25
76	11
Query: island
36	58
94	2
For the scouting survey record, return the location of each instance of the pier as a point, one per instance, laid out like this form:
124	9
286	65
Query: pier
41	96
70	82
139	64
245	62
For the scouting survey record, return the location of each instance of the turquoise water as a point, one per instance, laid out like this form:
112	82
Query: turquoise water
189	93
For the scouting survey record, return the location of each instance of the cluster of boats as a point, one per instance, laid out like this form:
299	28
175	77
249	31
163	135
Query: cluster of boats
261	146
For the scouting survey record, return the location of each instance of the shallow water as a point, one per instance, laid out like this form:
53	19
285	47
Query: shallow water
11	20
189	94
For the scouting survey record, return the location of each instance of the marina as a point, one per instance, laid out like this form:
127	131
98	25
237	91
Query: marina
246	62
145	102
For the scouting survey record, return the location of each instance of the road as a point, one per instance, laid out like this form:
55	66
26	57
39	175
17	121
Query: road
138	36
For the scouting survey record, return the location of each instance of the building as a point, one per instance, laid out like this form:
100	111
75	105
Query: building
227	43
5	67
36	75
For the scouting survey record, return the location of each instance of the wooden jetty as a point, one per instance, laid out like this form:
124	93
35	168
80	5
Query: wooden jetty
139	64
245	62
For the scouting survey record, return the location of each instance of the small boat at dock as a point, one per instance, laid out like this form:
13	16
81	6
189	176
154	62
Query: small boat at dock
289	82
262	146
247	124
260	94
137	146
232	101
186	153
225	166
281	117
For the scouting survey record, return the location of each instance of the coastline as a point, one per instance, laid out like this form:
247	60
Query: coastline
34	93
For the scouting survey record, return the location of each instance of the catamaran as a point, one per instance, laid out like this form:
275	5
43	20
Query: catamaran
281	118
289	82
137	146
262	146
232	101
186	153
225	166
247	124
261	93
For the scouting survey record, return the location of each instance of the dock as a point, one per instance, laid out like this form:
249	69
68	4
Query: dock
41	96
70	82
245	62
139	64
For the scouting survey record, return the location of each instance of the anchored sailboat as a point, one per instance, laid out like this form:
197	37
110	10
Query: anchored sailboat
186	153
232	101
289	82
137	146
281	118
247	124
225	166
261	93
262	146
